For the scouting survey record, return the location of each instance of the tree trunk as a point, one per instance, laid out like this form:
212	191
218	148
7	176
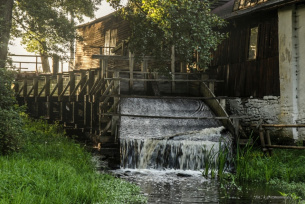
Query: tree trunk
55	65
6	8
45	63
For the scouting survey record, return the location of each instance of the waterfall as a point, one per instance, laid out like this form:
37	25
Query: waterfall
166	143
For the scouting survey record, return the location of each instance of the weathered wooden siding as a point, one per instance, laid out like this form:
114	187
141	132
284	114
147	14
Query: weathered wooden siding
93	35
243	77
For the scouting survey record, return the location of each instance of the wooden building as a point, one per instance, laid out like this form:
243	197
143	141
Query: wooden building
263	60
100	37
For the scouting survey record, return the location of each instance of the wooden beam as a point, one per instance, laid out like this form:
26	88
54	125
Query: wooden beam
170	117
173	97
161	80
284	147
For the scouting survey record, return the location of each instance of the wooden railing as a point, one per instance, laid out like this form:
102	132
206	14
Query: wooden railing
21	65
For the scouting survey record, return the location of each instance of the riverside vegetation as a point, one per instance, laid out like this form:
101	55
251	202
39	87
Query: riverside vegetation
40	164
284	170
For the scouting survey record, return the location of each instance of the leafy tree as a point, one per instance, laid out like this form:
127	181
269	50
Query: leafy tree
6	7
157	25
46	27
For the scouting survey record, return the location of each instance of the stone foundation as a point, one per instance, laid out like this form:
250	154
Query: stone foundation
267	109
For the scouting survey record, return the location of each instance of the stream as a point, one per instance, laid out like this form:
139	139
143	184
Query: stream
177	186
165	156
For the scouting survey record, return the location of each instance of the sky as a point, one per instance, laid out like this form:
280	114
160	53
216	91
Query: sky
17	49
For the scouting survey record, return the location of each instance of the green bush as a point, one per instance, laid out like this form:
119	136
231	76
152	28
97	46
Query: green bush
11	132
10	119
7	99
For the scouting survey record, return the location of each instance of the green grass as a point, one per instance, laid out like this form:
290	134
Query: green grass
51	168
285	169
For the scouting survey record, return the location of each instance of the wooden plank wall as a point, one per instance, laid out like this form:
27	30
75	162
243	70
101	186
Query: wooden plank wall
243	77
94	37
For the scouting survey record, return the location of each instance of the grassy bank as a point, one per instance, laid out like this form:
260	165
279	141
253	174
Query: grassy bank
284	170
51	168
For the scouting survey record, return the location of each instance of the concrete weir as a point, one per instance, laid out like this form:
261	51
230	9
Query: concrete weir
167	142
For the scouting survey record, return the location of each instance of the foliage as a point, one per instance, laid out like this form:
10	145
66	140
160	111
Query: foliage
10	120
291	197
45	26
7	99
11	132
50	168
158	25
5	27
284	169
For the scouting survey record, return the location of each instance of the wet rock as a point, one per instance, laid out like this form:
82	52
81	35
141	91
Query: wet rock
183	175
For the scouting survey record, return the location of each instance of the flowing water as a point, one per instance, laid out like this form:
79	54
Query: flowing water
165	156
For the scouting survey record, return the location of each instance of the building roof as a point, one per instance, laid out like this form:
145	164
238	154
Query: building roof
97	20
235	8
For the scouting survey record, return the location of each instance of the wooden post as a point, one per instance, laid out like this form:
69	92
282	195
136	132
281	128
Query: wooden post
173	68
222	102
182	67
201	84
35	84
36	103
236	127
262	139
131	68
60	83
104	70
25	87
269	142
86	111
211	86
91	80
60	102
48	85
101	64
62	65
84	79
72	81
88	102
36	67
115	119
49	103
144	69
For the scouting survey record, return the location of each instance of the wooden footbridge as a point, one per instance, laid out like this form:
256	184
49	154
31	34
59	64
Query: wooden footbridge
88	100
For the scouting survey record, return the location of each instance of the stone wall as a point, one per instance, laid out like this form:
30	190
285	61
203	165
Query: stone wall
267	109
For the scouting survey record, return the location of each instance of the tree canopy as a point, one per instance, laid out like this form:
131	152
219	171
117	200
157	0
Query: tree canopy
157	25
6	7
46	26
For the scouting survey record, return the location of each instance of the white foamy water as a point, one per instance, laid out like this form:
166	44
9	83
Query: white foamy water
163	143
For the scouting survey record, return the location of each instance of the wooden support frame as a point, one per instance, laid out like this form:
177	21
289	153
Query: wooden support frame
97	95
